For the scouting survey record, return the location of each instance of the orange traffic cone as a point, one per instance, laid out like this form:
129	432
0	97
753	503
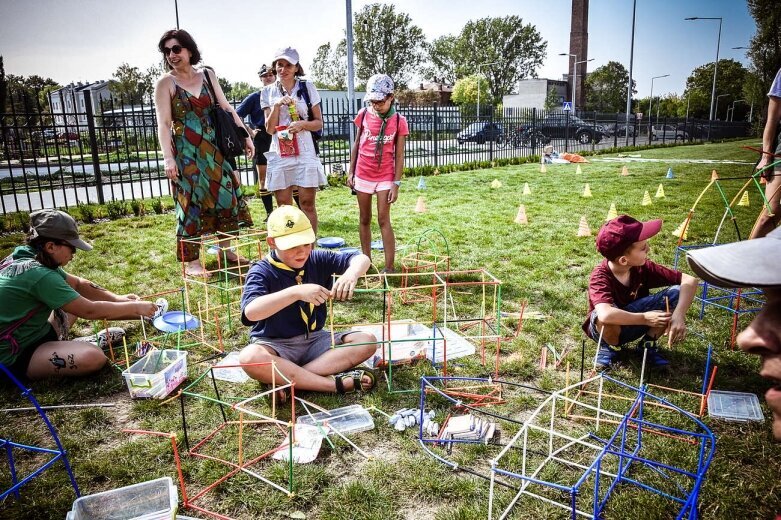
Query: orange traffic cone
583	229
521	218
420	206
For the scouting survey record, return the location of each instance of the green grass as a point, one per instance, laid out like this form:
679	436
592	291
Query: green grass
543	263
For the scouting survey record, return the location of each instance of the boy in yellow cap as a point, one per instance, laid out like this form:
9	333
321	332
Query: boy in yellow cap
284	303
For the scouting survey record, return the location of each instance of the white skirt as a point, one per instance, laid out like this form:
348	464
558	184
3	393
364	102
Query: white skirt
305	171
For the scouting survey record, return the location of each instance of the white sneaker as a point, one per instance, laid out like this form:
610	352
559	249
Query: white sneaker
103	337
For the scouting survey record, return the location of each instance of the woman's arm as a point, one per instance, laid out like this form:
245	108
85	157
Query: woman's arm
769	135
163	94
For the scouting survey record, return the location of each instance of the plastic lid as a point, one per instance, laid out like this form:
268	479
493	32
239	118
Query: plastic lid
174	321
330	242
734	406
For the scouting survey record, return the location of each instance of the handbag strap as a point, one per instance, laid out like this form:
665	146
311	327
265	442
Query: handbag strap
303	93
211	87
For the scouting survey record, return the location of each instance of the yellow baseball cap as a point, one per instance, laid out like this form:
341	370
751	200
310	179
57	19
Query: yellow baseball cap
290	227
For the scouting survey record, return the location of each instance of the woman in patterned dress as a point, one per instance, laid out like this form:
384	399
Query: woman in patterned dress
207	190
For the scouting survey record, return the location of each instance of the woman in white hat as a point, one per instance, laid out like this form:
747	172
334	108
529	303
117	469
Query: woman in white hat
293	118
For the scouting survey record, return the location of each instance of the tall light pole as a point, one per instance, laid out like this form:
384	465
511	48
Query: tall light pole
350	65
717	101
733	107
651	104
478	84
715	65
629	81
576	83
574	77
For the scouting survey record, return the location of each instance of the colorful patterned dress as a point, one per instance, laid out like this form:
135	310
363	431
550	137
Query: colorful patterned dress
208	191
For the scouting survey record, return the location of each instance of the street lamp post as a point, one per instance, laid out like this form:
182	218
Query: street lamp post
717	103
478	85
733	107
651	103
574	77
715	65
575	94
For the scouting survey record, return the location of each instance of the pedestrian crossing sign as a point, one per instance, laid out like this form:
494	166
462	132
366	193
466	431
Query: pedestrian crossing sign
567	106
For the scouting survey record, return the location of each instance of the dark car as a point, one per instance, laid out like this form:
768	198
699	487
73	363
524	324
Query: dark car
68	136
555	126
619	129
480	133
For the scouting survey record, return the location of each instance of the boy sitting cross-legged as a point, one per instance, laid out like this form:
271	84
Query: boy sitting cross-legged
284	303
621	306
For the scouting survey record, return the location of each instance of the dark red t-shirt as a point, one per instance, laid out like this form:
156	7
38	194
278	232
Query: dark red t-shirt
604	287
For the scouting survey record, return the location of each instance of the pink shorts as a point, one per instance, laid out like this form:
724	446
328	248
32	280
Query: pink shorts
370	187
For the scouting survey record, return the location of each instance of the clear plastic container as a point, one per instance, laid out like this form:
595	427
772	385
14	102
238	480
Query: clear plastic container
734	406
233	374
348	419
157	374
151	500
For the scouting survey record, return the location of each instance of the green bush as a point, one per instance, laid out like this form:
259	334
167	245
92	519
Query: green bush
138	207
87	212
116	209
157	206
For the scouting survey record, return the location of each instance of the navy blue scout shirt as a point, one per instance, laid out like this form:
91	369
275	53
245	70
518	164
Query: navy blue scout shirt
251	107
265	278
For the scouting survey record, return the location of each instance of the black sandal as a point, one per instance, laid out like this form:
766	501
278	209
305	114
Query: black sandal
357	377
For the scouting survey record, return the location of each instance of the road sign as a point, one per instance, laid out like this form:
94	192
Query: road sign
566	106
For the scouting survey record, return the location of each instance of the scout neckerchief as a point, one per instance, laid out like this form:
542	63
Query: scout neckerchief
306	309
381	135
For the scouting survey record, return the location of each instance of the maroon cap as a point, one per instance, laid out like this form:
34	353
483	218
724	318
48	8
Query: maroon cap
618	234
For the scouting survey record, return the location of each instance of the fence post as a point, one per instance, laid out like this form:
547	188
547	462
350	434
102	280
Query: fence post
615	132
435	135
566	130
93	144
491	141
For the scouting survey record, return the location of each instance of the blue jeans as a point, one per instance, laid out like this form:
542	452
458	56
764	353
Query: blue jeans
653	302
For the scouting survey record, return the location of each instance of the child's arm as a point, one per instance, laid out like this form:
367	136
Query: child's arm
610	315
345	284
685	298
393	194
267	305
353	161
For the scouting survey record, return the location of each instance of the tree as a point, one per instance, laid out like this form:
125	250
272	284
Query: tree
387	42
27	96
552	99
730	79
242	89
149	79
226	87
515	49
127	84
329	68
465	90
406	97
442	59
606	88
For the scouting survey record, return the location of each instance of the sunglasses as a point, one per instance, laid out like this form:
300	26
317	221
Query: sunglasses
176	49
380	102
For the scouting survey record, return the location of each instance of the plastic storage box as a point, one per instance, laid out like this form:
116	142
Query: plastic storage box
151	500
734	406
157	374
348	419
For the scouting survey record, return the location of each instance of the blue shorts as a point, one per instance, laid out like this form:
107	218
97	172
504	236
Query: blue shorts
302	349
653	302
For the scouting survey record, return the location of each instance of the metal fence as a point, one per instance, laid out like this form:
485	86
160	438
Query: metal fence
110	152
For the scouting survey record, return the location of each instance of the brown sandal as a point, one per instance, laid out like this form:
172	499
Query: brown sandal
357	377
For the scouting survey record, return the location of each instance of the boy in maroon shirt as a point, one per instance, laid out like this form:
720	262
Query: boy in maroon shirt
620	305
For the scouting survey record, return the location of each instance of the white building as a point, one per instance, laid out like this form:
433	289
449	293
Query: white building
532	93
67	104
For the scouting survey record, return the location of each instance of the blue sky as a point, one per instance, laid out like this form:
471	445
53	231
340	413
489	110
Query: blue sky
86	40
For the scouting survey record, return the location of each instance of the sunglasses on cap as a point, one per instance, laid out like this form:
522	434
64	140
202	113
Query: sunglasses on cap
176	49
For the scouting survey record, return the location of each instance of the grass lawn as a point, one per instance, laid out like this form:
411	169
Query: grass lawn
543	263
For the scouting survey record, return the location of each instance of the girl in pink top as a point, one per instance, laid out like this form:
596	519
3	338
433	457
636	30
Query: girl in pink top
377	163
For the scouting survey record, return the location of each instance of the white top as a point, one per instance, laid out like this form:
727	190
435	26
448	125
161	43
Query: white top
272	93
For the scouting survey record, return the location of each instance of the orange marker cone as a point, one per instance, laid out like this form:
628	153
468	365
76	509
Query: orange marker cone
611	213
420	206
521	218
714	176
744	200
542	168
683	229
646	199
660	192
625	171
583	229
526	189
578	170
587	191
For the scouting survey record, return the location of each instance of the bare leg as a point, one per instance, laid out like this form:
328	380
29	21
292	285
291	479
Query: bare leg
611	333
388	237
65	359
306	201
365	222
765	224
284	197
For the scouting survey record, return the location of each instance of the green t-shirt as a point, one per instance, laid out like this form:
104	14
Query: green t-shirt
24	285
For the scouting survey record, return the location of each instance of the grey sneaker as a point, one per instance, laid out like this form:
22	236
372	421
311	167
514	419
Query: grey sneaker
111	335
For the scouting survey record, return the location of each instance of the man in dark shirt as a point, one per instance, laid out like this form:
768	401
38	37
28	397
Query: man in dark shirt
621	306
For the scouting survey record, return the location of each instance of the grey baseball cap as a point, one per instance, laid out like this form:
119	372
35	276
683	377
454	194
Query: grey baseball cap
378	87
52	223
748	263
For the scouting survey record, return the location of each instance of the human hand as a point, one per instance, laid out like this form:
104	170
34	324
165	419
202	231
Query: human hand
344	287
284	100
249	148
171	171
351	180
393	194
656	319
313	293
677	330
763	162
147	309
296	126
130	297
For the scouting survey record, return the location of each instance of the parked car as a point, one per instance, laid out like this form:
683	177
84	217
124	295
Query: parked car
46	133
555	126
480	133
668	133
68	136
619	129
